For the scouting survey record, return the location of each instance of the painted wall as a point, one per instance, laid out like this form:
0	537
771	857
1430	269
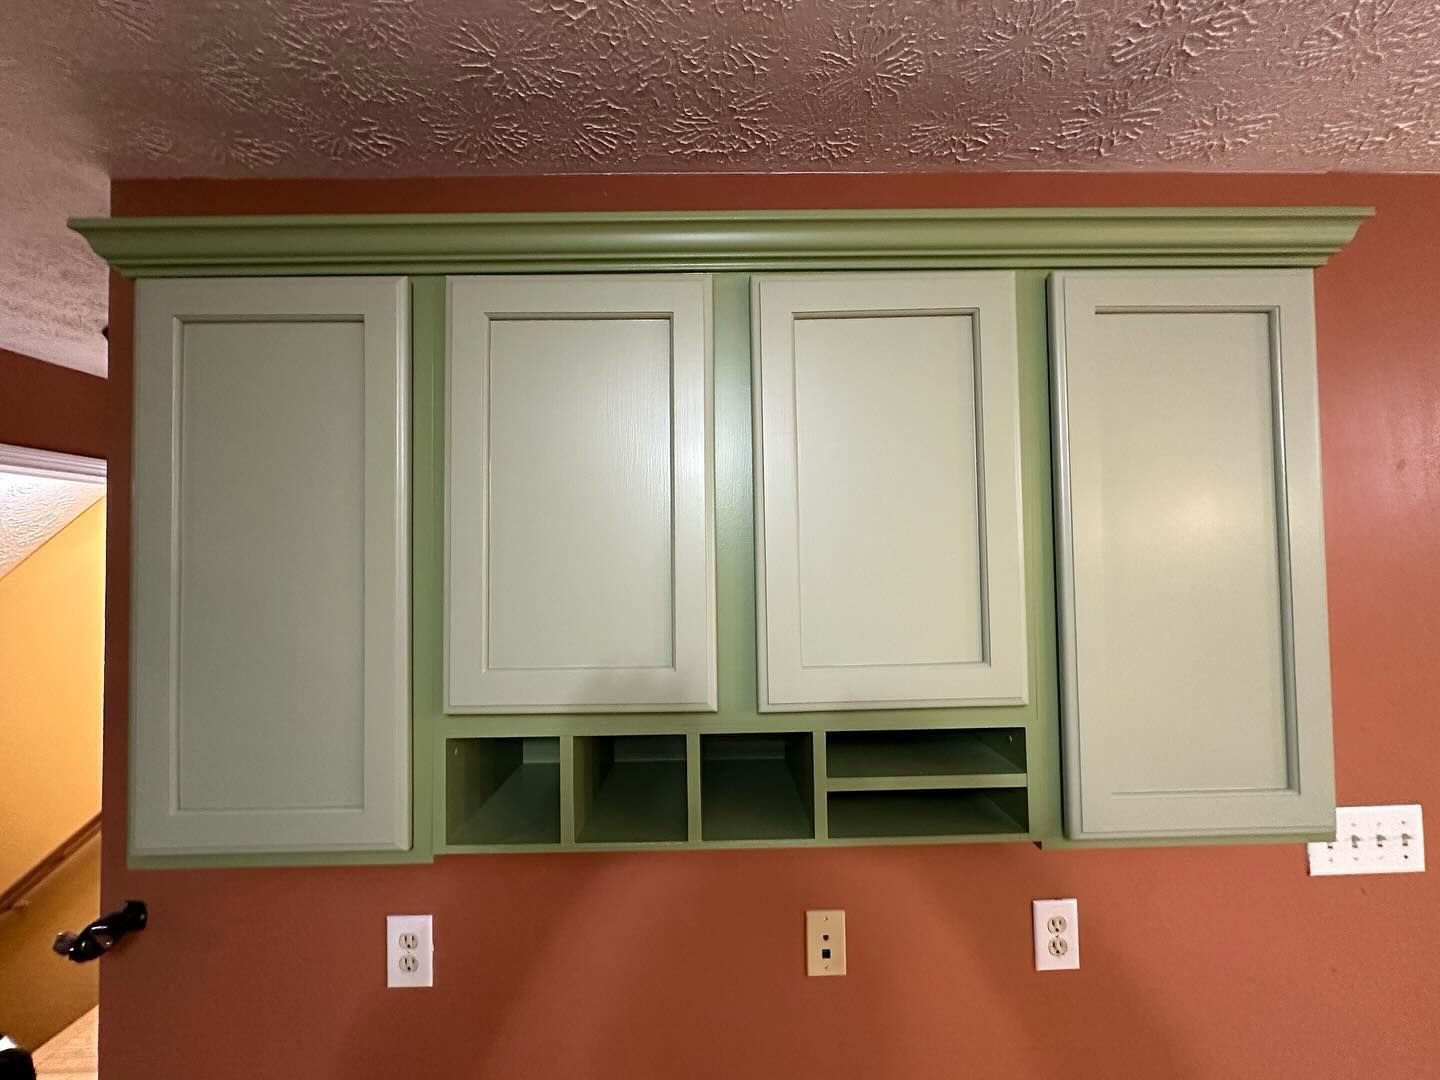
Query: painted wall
52	608
52	408
41	994
1199	962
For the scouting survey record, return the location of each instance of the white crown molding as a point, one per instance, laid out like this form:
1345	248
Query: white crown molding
48	463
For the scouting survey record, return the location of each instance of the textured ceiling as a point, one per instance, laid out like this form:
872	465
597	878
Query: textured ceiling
35	508
134	88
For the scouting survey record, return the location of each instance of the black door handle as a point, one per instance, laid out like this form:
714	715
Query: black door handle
101	935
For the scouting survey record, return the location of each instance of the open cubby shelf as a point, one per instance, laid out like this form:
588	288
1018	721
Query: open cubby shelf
925	760
568	791
757	787
950	813
631	789
502	791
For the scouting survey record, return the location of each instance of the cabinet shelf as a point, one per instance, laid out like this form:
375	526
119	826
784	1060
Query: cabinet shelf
631	789
502	791
925	760
991	813
757	787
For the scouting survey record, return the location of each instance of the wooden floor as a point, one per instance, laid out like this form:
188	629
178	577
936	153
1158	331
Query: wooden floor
74	1053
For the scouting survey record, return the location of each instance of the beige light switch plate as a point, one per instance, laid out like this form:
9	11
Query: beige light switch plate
825	943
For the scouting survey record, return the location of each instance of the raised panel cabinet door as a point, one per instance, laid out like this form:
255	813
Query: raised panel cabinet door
270	640
579	563
887	466
1191	564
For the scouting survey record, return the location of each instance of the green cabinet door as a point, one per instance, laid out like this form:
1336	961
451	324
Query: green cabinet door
1190	555
889	553
270	639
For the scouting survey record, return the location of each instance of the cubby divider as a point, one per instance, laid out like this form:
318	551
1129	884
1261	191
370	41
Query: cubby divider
502	791
630	789
757	787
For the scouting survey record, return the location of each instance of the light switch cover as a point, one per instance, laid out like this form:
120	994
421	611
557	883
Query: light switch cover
1372	840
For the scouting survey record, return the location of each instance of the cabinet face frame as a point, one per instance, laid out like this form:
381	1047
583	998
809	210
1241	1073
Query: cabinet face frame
1306	801
475	305
382	821
1000	676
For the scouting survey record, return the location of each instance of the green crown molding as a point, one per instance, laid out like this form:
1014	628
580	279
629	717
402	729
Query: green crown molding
751	240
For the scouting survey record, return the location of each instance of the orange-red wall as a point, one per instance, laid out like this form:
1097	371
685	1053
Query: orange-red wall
1199	962
52	408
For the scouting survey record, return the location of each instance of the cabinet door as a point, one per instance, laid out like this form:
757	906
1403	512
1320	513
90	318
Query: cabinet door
269	648
579	531
1195	663
888	529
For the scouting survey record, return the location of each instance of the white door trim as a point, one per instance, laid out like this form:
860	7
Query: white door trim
51	464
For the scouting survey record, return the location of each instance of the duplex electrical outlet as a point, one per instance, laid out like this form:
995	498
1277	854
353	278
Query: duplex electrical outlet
409	951
825	943
1056	925
1372	840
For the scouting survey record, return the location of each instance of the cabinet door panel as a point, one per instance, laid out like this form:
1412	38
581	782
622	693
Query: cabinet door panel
250	396
888	494
270	707
1192	587
580	571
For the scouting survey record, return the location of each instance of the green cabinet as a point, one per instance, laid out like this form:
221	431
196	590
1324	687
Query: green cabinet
365	723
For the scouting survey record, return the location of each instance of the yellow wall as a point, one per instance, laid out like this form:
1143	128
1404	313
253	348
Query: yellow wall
52	624
41	993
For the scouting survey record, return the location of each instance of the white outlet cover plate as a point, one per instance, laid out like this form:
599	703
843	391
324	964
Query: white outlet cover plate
1372	840
1057	943
405	966
825	942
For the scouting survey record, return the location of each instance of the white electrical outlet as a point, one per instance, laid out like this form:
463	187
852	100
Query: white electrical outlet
824	943
1057	934
409	951
1372	840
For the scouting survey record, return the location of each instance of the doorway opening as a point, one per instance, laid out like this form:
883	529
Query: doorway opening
52	603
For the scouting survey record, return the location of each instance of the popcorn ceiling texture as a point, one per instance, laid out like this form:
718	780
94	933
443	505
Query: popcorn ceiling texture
35	508
303	88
